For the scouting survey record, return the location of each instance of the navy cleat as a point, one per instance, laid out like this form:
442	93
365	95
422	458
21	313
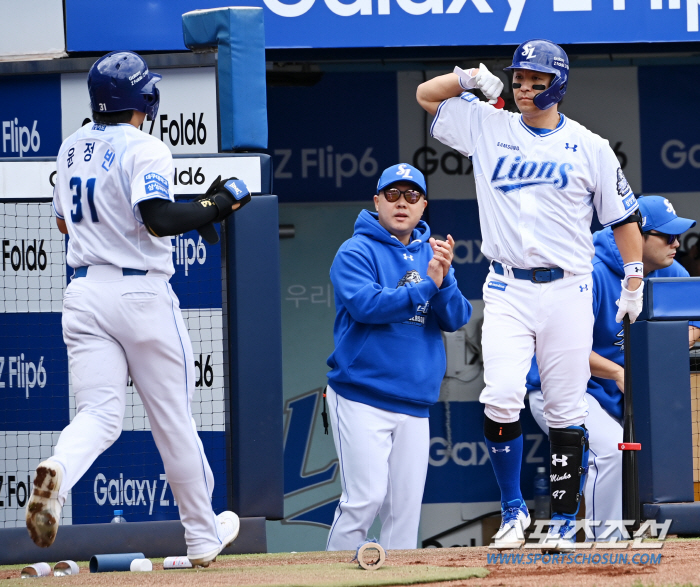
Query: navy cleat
561	536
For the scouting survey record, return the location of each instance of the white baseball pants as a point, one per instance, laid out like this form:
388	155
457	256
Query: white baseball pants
113	326
603	490
383	458
555	320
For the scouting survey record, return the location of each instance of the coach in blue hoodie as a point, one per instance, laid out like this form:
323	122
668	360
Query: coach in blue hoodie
662	229
395	291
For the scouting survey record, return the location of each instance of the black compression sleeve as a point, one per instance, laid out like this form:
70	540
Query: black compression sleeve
498	432
166	218
636	217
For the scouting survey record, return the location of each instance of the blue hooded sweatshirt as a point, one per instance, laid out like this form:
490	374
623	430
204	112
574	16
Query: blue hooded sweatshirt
388	347
608	338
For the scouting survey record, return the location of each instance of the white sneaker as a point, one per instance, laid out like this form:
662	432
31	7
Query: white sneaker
228	526
514	519
43	512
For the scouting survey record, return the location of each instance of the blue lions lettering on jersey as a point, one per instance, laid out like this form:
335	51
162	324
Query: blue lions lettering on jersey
512	173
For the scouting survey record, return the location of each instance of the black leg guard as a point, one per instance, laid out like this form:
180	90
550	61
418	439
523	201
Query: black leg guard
569	466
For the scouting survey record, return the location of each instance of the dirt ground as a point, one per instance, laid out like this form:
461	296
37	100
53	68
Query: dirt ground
680	565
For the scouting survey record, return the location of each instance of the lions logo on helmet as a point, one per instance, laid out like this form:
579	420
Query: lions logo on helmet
529	51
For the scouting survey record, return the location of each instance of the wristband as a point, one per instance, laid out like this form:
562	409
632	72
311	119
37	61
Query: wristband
634	269
627	294
466	80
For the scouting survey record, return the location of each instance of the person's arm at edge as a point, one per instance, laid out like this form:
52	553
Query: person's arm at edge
63	229
693	335
430	94
607	369
629	242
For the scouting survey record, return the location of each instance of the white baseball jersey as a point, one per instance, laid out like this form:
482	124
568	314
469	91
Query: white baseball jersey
103	172
536	192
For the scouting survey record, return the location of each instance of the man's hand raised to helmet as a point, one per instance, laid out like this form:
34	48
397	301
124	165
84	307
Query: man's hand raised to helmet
489	84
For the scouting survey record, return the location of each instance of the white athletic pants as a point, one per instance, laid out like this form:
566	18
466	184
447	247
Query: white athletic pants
114	326
603	491
555	320
383	458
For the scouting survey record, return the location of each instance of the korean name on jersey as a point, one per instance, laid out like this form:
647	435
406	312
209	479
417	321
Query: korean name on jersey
103	172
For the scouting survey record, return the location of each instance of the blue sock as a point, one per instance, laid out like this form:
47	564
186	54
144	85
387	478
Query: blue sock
506	456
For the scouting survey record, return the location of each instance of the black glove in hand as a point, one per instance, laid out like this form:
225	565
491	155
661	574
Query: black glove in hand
224	194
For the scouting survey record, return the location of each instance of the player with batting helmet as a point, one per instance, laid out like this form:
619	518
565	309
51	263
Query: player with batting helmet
121	317
539	176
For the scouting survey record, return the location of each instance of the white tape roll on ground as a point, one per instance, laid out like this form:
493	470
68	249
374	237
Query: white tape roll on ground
141	565
371	556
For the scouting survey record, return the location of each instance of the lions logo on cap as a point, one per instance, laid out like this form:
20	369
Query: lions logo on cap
669	207
404	172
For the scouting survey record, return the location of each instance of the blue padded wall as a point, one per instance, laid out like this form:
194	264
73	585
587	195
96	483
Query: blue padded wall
255	360
240	36
662	411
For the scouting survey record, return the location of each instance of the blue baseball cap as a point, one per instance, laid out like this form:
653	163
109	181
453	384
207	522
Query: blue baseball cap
402	172
658	214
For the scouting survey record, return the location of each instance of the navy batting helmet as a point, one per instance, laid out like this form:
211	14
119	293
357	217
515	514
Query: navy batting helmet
121	81
547	57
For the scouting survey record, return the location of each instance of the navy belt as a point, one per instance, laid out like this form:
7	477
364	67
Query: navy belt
536	275
82	272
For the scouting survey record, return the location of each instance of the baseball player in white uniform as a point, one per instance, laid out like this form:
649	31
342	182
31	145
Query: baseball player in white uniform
539	176
120	314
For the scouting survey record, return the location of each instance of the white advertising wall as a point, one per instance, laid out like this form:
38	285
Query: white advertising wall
32	30
186	120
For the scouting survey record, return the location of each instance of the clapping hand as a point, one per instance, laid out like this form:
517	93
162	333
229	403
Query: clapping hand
443	253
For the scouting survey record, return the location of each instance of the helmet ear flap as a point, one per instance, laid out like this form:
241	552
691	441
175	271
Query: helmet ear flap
552	95
152	103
